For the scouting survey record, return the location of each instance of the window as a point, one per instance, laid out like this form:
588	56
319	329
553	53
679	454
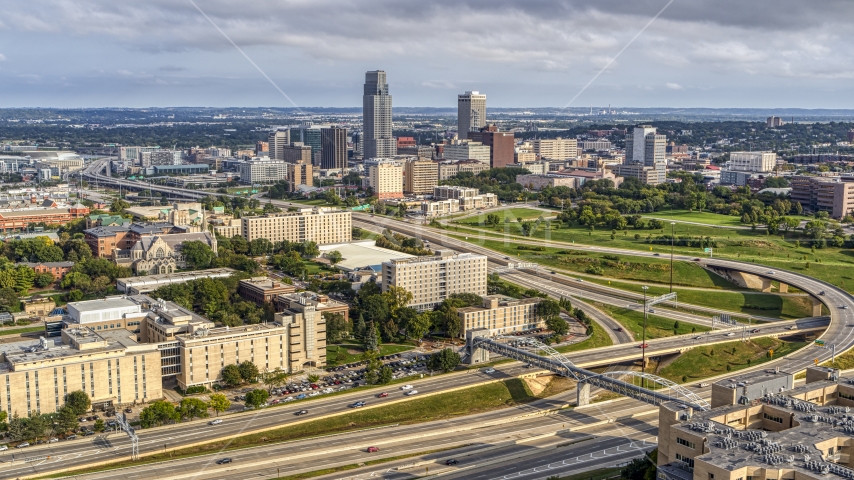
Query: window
686	443
687	460
772	418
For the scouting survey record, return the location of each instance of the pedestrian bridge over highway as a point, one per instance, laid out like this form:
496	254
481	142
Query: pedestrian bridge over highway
662	390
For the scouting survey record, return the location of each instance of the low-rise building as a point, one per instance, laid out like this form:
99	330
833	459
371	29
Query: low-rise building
21	218
296	302
319	225
232	227
57	269
501	315
834	195
38	306
467	150
149	283
653	175
263	290
450	169
469	198
438	208
753	161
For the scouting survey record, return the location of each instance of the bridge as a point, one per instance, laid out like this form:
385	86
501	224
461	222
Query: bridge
479	344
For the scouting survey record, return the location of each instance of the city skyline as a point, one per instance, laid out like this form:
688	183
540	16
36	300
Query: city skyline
717	55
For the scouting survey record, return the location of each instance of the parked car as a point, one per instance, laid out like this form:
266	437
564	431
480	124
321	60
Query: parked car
373	449
3	448
71	437
23	445
52	440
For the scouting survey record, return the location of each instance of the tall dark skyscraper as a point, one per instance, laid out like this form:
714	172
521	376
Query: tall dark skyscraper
333	147
376	117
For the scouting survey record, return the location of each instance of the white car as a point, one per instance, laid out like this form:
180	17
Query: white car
23	445
3	448
703	385
771	272
730	334
489	370
215	422
411	392
407	387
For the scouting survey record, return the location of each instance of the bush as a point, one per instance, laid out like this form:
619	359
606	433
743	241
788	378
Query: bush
195	389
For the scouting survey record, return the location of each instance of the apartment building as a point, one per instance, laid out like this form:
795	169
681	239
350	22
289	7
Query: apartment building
449	169
433	279
105	240
420	176
160	157
438	208
469	198
262	170
555	148
263	290
501	315
762	162
467	150
385	178
320	225
653	175
228	228
834	195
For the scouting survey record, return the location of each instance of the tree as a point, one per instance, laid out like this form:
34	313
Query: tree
197	253
309	249
10	300
336	327
119	206
99	425
256	398
547	308
445	360
274	378
219	403
396	298
386	375
248	371
371	338
158	413
191	408
231	375
78	401
37	425
17	427
419	325
66	420
452	322
43	279
334	257
557	325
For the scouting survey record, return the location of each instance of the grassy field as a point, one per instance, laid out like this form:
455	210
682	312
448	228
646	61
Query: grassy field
599	338
708	361
469	401
789	252
656	327
18	331
511	214
844	361
349	353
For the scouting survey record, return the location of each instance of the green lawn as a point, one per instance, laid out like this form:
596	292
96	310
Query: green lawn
481	398
349	353
599	338
512	214
656	327
790	252
704	217
708	361
18	331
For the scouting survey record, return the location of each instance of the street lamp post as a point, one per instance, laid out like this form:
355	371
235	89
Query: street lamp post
671	255
643	339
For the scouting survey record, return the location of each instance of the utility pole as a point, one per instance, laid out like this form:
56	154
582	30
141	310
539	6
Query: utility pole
671	255
643	341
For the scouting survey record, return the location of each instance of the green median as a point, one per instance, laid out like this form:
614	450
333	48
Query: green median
656	327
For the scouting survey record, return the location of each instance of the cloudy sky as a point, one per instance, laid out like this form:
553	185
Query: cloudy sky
725	53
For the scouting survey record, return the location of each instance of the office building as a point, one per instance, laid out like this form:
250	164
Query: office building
762	162
646	147
555	148
300	175
262	170
501	315
420	151
469	198
131	154
599	144
420	176
385	178
297	152
467	150
437	208
276	142
647	175
502	146
448	169
321	303
834	195
309	134
471	113
158	170
263	290
261	148
319	225
333	148
405	142
376	117
431	280
760	427
12	164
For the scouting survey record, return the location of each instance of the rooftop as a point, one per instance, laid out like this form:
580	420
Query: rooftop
363	253
102	304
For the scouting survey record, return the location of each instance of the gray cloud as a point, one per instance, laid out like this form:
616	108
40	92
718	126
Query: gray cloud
724	46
